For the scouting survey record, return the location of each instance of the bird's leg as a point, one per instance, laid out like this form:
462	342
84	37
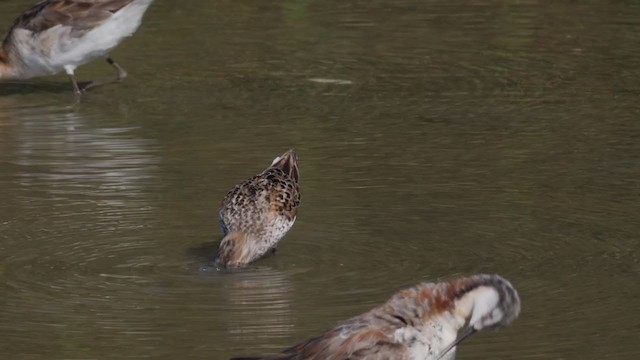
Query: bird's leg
72	77
122	73
76	88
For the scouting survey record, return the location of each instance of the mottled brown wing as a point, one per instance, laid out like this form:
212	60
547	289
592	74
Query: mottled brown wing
284	193
280	192
365	337
352	341
81	15
239	205
264	357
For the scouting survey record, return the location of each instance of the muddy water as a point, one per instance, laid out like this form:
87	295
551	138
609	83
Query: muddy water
434	140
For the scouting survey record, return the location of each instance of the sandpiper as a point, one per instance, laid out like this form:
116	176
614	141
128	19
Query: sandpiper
60	35
258	212
425	322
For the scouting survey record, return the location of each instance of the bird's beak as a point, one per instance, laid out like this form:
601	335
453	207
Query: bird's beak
466	333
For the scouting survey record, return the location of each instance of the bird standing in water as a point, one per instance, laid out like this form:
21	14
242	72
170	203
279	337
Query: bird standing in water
425	322
60	35
258	212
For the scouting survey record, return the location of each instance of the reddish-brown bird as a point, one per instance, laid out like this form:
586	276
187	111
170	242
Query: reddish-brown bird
425	322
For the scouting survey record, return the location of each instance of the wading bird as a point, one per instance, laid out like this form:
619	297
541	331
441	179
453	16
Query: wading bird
60	35
258	212
425	322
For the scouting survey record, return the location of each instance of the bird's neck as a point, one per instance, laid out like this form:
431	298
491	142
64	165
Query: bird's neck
477	303
430	319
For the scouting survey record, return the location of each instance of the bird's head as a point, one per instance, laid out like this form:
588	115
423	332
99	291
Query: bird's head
487	302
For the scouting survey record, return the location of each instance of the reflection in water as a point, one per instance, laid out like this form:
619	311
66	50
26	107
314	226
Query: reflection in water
259	305
80	157
73	194
59	159
257	300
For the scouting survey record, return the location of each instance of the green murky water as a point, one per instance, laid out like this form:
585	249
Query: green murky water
434	140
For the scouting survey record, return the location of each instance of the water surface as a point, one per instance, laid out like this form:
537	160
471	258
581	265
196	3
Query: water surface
435	139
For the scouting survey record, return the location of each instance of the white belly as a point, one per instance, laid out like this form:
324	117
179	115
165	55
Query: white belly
55	49
428	342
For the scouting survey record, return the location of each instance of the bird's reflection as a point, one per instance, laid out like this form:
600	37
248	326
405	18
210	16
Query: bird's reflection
259	300
61	157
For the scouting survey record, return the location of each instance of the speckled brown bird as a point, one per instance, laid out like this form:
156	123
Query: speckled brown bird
60	35
425	322
258	212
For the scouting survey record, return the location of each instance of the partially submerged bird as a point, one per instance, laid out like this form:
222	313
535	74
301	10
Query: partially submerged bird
258	212
425	322
60	35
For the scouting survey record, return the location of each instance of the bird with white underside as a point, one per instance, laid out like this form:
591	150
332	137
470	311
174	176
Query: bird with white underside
425	322
59	35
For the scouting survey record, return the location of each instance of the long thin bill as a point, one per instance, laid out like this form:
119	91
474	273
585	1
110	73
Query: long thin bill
466	333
